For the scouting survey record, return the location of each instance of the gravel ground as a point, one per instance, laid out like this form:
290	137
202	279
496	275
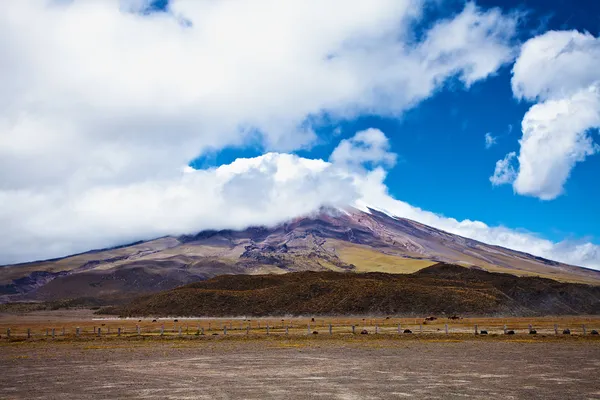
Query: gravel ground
362	368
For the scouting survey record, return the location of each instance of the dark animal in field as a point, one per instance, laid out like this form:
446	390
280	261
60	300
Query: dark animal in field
510	332
567	332
407	331
175	320
432	318
315	333
153	320
364	332
454	317
483	332
533	332
215	334
594	332
312	320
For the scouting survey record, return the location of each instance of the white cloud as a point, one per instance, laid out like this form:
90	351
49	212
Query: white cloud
555	138
101	110
559	70
100	104
264	190
366	148
504	172
490	140
95	95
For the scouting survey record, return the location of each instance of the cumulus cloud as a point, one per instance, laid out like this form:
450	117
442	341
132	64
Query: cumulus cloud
558	70
490	140
264	190
366	148
103	105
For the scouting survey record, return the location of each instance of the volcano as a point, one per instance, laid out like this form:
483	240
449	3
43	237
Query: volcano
338	240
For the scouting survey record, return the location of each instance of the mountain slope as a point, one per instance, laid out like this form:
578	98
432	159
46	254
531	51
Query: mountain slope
442	288
335	240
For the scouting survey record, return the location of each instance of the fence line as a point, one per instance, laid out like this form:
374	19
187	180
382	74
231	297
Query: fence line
297	330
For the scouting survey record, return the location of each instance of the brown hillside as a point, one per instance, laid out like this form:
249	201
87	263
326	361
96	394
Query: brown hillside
441	288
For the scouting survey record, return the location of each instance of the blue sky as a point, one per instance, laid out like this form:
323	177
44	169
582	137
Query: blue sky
128	120
444	165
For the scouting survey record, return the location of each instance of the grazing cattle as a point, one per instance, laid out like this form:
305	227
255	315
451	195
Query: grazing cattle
153	320
510	332
430	318
407	331
215	334
454	317
594	332
567	332
312	320
533	332
139	320
175	320
364	332
484	332
315	333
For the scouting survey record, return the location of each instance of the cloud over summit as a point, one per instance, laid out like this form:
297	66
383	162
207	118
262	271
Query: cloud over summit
102	108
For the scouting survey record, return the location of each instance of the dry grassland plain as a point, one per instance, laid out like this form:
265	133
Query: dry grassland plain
252	365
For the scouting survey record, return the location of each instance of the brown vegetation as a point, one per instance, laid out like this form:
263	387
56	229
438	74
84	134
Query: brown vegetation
439	289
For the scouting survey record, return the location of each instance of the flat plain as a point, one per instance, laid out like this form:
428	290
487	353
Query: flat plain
253	365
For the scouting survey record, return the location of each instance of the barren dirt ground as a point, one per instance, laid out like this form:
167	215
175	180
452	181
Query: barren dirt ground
276	367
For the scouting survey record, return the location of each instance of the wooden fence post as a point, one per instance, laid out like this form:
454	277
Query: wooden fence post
399	330
8	333
224	329
267	329
99	332
353	330
505	329
63	331
446	328
119	331
376	328
556	329
28	333
52	333
584	331
286	331
420	328
180	331
330	332
77	332
476	331
162	330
